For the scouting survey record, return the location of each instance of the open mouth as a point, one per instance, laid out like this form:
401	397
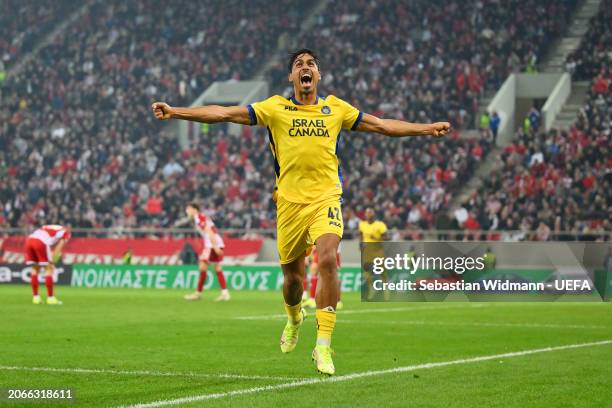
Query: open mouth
306	78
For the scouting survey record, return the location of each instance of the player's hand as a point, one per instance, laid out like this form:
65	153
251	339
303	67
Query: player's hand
162	111
440	129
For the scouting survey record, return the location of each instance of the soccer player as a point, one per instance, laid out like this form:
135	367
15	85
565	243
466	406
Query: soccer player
303	132
212	252
43	248
371	231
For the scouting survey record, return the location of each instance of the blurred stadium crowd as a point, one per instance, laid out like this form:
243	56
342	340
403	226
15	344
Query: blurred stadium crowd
78	144
425	59
23	23
560	180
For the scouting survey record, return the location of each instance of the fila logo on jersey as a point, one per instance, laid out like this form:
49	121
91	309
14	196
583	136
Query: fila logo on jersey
326	110
290	108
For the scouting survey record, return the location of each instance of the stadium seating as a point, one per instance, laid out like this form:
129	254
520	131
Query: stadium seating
77	135
555	181
428	60
560	180
23	22
593	54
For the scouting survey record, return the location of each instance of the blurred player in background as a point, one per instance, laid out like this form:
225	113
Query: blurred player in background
43	249
372	232
212	252
308	273
308	300
303	133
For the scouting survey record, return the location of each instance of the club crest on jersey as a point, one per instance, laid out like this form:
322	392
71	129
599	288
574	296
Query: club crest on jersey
326	110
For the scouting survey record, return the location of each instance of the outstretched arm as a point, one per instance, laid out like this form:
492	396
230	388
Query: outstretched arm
393	127
205	114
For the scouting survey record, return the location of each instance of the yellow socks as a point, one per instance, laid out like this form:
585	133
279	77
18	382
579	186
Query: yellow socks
326	320
294	313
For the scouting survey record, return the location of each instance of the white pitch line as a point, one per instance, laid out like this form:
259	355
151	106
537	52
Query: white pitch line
366	311
149	373
596	303
478	324
364	374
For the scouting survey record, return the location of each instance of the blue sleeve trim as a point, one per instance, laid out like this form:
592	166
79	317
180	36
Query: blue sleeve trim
252	115
357	121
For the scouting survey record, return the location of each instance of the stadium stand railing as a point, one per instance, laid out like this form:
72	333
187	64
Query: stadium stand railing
409	235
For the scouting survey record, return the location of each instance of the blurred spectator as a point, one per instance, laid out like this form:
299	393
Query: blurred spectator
485	120
494	123
601	85
534	119
542	232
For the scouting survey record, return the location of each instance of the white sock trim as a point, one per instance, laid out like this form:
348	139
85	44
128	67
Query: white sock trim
323	342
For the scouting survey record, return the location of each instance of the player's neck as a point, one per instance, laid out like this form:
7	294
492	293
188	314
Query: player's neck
306	98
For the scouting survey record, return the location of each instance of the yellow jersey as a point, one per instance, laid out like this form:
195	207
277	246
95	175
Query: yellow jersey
372	232
304	143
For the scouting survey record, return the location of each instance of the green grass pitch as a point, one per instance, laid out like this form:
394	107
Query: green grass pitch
123	347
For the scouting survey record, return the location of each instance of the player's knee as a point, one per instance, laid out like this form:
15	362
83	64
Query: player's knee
293	279
327	261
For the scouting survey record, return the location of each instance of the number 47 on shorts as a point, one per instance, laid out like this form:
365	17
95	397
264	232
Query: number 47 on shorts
333	210
333	213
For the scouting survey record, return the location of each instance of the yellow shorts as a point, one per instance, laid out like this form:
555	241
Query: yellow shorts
300	225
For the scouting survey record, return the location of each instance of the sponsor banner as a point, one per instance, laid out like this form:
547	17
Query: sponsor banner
144	251
14	273
467	271
238	277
